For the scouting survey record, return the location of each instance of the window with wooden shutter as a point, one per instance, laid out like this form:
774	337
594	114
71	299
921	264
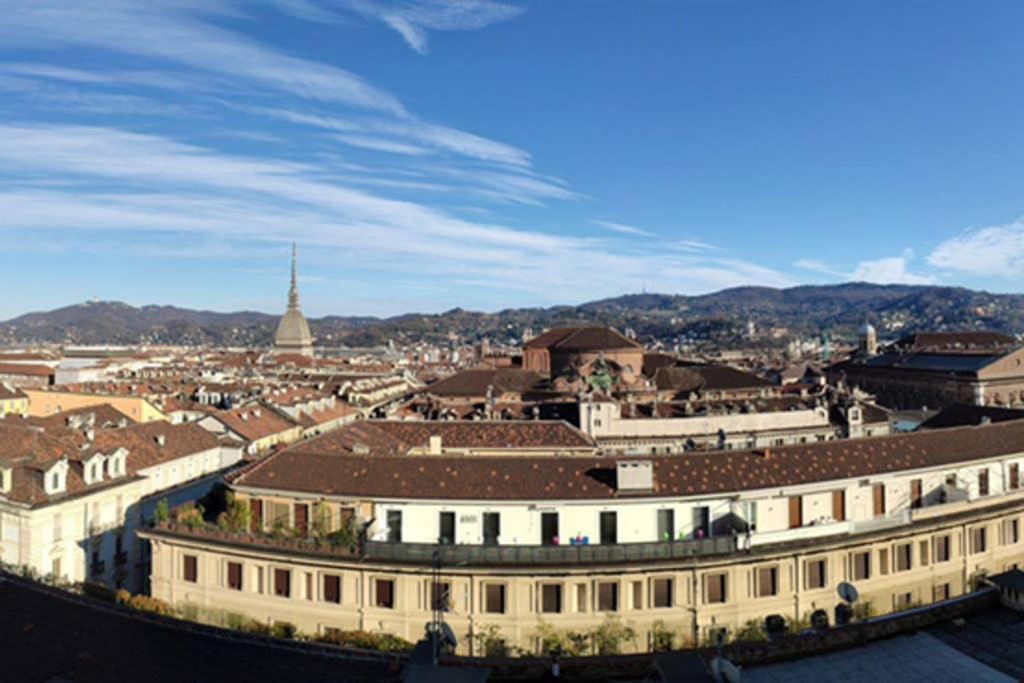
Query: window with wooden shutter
924	553
190	568
663	589
796	512
494	598
302	518
716	588
1011	531
878	496
861	565
1014	476
440	595
904	557
978	539
942	548
816	574
551	598
256	514
608	597
767	581
332	588
983	481
916	493
839	505
883	561
235	576
283	583
384	593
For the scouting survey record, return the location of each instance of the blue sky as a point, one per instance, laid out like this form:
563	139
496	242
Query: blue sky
483	154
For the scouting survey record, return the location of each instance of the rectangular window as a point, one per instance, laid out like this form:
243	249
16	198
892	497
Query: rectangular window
916	493
701	521
904	600
608	597
282	583
904	557
259	580
302	518
717	588
978	539
548	528
551	598
256	514
441	596
796	512
1011	531
941	592
816	575
666	525
1014	476
878	499
191	568
662	592
492	528
581	598
332	588
924	553
839	505
942	548
861	565
446	526
310	593
384	593
883	561
983	481
609	528
235	576
394	526
767	581
494	598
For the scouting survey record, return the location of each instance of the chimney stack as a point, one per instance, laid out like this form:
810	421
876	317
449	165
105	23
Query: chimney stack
435	447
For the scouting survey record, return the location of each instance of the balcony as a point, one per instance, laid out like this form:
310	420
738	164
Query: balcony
423	553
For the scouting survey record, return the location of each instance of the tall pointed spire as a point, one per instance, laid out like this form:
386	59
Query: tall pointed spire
293	331
293	291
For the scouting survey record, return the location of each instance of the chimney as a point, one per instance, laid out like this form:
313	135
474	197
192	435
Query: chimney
90	434
767	453
435	444
161	440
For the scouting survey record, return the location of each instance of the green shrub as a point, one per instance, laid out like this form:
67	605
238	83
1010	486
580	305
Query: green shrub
662	639
610	636
490	642
366	640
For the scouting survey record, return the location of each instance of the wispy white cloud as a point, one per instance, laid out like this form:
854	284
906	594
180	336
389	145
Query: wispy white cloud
993	251
622	228
413	19
887	270
381	144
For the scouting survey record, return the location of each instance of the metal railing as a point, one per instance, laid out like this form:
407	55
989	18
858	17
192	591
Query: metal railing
548	554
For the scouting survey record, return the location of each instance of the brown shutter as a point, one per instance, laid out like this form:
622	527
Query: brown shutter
766	582
282	582
256	508
191	568
796	512
983	482
879	498
385	593
302	518
839	505
716	587
235	576
916	490
332	588
1014	476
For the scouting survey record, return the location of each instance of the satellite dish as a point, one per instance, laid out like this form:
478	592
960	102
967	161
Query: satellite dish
448	636
847	592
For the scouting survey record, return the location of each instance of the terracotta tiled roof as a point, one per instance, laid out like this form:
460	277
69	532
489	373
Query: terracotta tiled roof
595	339
475	382
9	393
254	422
329	470
955	340
549	338
26	369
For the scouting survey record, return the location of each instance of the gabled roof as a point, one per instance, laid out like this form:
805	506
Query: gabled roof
955	340
475	382
582	339
962	414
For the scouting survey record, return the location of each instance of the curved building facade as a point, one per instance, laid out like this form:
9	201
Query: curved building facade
522	527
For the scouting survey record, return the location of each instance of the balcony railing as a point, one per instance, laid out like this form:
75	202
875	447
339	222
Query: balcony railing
420	553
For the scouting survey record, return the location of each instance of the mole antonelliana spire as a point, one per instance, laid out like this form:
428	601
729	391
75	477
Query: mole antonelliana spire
293	331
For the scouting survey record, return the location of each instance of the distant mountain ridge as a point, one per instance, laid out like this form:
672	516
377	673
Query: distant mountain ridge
720	317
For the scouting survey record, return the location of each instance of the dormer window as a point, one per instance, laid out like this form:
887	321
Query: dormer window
93	468
55	480
116	466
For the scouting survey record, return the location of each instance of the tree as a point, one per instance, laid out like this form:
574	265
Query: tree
609	637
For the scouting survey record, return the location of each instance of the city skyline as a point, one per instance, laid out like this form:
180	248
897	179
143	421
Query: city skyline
491	155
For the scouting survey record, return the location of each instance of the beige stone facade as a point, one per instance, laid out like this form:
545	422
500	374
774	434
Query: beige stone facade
936	554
